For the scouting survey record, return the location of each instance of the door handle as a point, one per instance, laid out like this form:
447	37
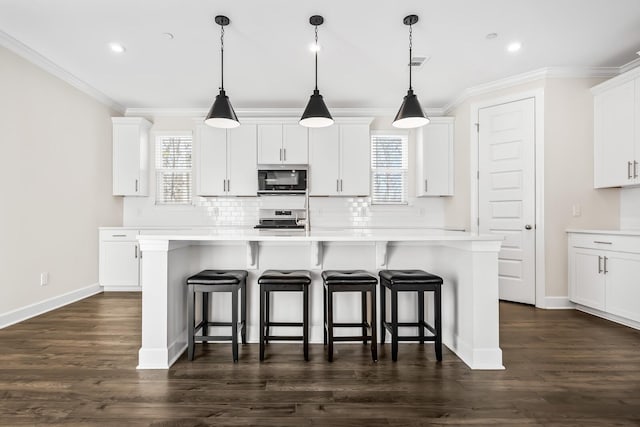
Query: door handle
599	264
629	176
528	227
605	265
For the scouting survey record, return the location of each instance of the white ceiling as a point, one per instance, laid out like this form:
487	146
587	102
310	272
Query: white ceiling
364	46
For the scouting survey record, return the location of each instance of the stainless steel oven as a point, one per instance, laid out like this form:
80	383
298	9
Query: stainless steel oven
282	180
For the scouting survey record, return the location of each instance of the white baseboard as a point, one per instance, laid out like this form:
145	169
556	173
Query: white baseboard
608	316
24	313
122	288
556	303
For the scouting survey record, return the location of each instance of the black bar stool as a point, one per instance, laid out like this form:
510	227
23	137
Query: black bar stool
207	282
284	281
350	281
411	281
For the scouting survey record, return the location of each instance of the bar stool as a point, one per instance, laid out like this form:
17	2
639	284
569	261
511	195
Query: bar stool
411	281
350	281
284	281
207	282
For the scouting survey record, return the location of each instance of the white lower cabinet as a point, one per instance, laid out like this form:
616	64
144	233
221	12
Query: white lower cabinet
603	275
119	260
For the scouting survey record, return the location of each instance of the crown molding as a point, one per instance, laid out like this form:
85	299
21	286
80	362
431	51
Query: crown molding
198	113
49	66
531	76
630	65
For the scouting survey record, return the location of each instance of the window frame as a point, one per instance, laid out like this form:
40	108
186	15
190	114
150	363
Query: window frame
157	138
404	134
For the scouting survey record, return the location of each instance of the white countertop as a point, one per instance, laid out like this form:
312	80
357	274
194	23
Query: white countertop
332	235
609	232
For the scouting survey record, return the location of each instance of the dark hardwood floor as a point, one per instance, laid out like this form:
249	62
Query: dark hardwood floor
76	366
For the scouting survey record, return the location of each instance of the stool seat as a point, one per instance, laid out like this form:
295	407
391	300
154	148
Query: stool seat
348	276
217	277
282	277
410	277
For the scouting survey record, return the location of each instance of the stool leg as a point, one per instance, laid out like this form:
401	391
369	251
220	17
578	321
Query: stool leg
421	316
243	312
330	323
266	319
262	313
394	325
363	307
234	322
205	313
383	312
374	321
305	321
191	318
324	313
438	323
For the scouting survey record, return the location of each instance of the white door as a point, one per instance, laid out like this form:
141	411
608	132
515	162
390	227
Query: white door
506	197
211	161
355	160
295	143
241	161
270	144
324	144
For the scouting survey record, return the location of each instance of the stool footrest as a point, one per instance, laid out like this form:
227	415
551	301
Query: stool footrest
352	325
284	338
213	338
412	338
269	324
352	338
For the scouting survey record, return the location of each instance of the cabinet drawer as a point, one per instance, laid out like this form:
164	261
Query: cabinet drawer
605	242
118	235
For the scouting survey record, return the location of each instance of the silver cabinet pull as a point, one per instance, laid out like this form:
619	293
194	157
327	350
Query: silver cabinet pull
136	185
629	176
281	154
426	186
228	185
602	242
605	265
635	169
136	251
118	235
224	185
341	185
599	264
285	154
337	185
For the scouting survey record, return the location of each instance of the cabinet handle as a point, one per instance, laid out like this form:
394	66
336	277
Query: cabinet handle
341	185
599	264
285	154
136	251
605	265
228	185
281	154
224	185
601	242
118	235
426	186
136	185
635	169
629	176
337	185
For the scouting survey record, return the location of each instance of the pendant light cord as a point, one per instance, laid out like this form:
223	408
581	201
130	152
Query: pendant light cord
410	53
221	57
316	57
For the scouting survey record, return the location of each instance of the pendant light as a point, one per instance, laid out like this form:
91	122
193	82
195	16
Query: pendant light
221	114
410	114
316	115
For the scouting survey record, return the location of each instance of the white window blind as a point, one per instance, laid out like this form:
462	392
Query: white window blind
389	165
173	169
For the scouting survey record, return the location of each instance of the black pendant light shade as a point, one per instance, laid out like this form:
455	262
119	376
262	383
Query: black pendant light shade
410	114
221	114
316	114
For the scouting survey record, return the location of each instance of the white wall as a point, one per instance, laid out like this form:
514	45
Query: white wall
56	185
630	208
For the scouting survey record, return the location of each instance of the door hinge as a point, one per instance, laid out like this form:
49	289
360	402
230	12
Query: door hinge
478	174
478	221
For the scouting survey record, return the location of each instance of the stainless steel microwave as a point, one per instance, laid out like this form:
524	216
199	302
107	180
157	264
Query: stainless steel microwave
282	181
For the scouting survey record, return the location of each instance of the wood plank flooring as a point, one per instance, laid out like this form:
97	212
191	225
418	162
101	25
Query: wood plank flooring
76	366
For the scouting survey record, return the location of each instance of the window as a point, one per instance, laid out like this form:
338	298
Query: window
389	164
173	169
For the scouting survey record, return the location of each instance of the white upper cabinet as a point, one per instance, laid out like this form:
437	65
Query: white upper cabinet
339	160
130	156
617	131
434	158
225	161
282	144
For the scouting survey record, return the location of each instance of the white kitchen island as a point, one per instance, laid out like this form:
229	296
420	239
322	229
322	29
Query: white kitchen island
467	263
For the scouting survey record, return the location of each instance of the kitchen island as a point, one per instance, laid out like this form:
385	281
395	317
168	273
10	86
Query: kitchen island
467	263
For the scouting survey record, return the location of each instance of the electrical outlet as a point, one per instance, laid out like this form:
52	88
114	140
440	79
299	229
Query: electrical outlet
44	279
577	210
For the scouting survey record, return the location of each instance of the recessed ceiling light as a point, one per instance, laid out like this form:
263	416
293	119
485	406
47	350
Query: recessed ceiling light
491	36
638	53
167	36
117	47
313	47
514	47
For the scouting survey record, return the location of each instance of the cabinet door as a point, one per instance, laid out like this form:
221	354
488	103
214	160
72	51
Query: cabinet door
434	160
623	285
126	160
614	136
211	161
270	144
119	264
295	143
324	169
588	278
636	113
241	162
355	160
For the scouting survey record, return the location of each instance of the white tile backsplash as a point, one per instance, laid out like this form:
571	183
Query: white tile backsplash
630	209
